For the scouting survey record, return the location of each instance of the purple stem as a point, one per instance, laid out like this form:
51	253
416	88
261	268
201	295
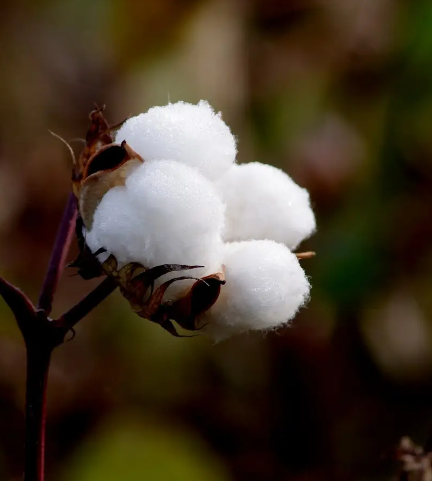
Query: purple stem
18	303
38	360
62	242
93	299
42	335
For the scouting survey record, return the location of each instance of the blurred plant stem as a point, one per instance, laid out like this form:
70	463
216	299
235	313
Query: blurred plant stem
62	243
43	334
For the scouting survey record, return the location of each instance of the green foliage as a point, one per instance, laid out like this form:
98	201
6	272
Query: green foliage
131	450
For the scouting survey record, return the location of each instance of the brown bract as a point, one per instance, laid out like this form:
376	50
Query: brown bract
101	166
98	135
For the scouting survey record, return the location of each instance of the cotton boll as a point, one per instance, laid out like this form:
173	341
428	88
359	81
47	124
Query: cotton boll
167	213
114	226
265	203
191	134
265	286
180	212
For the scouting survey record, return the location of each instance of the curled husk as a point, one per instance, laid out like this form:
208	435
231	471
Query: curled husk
101	166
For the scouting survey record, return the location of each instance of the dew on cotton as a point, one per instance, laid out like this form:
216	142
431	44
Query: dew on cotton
192	134
265	203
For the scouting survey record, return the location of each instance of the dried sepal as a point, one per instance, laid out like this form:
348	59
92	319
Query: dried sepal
200	298
125	274
169	327
107	168
101	165
98	134
139	285
87	263
154	309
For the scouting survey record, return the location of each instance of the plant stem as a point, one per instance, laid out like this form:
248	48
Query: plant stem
92	300
38	360
42	334
41	338
62	242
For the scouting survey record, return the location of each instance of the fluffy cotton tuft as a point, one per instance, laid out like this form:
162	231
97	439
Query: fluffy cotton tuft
265	286
166	213
265	203
191	134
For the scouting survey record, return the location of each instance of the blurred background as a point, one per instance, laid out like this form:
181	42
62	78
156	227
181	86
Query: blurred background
338	94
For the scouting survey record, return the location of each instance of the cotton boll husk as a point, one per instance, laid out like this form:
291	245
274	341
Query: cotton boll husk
167	213
265	286
263	202
191	134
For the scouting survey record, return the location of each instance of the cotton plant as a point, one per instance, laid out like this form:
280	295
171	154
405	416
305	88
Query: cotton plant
165	190
162	211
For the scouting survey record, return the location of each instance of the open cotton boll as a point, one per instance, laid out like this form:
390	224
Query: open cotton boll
265	286
192	134
115	227
263	202
167	213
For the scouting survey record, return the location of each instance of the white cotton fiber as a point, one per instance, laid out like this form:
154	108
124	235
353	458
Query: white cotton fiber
265	286
265	203
167	213
191	134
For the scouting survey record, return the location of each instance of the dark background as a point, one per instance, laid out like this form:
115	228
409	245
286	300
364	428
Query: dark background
337	93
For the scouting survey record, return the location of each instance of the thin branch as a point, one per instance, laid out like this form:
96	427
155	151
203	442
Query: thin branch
93	299
63	240
18	302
